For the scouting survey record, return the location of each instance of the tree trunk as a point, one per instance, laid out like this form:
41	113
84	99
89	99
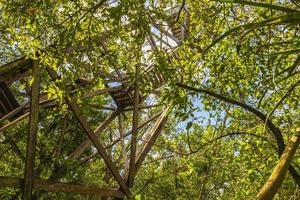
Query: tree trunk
270	188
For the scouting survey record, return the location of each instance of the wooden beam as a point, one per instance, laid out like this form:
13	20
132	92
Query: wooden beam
98	107
22	117
15	65
46	104
13	112
270	188
89	132
143	107
153	136
101	91
135	119
87	143
33	126
125	135
49	186
99	146
139	127
24	108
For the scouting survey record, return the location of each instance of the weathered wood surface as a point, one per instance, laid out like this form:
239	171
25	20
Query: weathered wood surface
43	185
123	146
44	104
33	127
125	135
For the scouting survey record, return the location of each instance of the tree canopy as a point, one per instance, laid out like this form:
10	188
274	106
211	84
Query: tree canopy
149	99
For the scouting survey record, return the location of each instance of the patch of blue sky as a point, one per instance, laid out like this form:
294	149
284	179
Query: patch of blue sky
200	116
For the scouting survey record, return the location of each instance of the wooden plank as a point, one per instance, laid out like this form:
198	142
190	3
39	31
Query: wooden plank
87	143
98	107
143	107
154	134
89	132
15	65
43	185
33	127
135	119
13	112
45	104
7	98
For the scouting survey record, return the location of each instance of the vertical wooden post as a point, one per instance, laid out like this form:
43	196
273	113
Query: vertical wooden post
134	130
31	140
150	142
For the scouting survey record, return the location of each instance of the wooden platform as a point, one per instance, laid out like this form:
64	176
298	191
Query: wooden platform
123	97
10	73
8	101
15	70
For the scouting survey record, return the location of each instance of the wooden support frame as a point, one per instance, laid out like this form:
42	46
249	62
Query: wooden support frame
18	64
125	135
148	145
150	142
87	143
89	132
135	119
33	126
43	185
46	104
22	117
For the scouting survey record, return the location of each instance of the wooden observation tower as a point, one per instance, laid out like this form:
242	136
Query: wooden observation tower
127	97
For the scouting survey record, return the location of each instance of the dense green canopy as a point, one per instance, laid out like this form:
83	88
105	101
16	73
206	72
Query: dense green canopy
231	81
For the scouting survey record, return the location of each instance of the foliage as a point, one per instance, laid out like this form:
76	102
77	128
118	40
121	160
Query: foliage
243	50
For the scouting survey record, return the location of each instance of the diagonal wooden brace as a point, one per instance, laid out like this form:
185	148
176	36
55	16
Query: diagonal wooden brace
154	135
87	143
89	132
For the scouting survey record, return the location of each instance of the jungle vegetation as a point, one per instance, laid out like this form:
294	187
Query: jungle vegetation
224	110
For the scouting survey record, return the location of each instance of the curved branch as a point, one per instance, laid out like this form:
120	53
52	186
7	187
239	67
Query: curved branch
274	130
262	5
232	134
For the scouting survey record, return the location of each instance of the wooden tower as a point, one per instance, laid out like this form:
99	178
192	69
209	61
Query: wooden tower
127	97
